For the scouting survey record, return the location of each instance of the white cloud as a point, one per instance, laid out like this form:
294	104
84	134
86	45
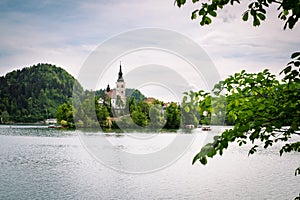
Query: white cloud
71	31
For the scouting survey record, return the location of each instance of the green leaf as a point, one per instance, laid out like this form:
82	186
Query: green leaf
202	11
180	2
194	14
245	16
294	55
256	21
196	158
213	13
287	69
294	125
203	160
187	109
207	20
224	144
261	16
212	152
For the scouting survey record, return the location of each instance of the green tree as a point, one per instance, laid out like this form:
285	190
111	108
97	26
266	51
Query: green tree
157	119
34	93
127	106
289	10
190	109
251	97
4	117
144	108
138	96
126	122
261	106
103	116
91	113
64	115
139	118
173	115
119	102
132	104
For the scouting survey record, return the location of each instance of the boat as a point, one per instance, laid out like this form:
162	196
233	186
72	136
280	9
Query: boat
54	126
189	126
206	128
51	126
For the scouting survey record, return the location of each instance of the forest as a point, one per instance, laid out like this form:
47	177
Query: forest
34	93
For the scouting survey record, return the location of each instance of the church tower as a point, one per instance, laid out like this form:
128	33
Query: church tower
120	90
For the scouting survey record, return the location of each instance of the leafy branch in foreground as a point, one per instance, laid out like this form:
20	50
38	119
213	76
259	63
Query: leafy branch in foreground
264	110
289	10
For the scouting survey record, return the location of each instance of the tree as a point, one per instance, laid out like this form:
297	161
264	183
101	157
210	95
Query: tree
190	109
264	109
132	104
103	116
119	102
173	115
139	118
138	96
64	115
4	117
289	10
156	117
34	93
260	104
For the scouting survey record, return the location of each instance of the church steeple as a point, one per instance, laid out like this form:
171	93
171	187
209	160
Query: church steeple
108	88
120	78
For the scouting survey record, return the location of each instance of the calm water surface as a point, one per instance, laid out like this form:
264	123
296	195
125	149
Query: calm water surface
40	163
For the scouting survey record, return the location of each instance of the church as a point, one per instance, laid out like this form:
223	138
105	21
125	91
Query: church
117	95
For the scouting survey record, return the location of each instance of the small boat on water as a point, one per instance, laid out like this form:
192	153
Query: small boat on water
189	126
206	128
54	126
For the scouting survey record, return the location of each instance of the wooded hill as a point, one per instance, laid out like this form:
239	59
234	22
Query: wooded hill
34	93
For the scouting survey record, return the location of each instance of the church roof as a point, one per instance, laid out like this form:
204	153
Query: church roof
120	78
112	94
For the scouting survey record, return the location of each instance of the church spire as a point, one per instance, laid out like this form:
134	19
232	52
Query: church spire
108	88
120	78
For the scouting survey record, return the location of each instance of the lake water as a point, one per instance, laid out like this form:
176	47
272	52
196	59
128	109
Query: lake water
41	163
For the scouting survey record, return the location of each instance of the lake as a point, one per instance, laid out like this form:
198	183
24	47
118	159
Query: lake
41	163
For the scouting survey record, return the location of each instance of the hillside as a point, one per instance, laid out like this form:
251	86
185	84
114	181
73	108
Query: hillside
130	92
34	93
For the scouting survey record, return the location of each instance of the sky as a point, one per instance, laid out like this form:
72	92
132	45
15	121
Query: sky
66	33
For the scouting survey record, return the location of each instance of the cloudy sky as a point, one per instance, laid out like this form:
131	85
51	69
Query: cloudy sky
66	32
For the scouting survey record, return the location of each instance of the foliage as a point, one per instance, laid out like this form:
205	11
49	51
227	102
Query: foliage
156	115
65	115
103	116
140	118
190	109
138	96
34	93
173	115
119	102
289	10
4	117
264	109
